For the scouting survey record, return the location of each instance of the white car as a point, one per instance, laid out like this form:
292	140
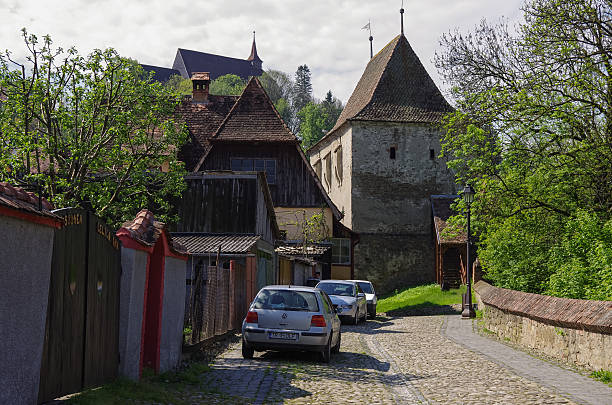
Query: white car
347	297
370	294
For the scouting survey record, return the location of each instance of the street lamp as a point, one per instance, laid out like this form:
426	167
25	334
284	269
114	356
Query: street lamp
468	310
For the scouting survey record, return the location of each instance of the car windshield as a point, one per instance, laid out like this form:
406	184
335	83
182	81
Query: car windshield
337	289
286	300
366	287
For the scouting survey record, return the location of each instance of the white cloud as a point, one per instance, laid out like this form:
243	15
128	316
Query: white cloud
324	34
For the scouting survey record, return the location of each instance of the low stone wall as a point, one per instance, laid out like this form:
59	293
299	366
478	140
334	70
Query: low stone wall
573	331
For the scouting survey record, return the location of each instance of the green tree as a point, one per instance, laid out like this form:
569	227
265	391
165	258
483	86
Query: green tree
533	133
302	88
179	85
227	85
89	131
332	107
313	118
279	87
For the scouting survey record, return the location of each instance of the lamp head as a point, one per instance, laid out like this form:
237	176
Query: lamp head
468	194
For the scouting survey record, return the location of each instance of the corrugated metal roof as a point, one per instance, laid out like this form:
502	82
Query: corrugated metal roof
209	243
294	250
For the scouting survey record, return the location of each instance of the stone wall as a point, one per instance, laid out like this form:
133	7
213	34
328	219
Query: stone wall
573	331
395	261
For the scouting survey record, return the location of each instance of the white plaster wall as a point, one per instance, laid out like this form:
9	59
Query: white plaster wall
173	314
338	191
131	307
24	294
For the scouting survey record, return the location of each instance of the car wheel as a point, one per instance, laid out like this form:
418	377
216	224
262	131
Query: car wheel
365	316
247	351
356	318
336	348
326	353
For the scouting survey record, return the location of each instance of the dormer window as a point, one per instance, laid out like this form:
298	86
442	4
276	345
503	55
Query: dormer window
392	153
432	154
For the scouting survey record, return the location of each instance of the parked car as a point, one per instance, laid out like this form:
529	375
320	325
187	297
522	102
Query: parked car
312	282
291	318
348	298
370	293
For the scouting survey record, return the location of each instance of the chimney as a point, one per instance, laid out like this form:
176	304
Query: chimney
200	82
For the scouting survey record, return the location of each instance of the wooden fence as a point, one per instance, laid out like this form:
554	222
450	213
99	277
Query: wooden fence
218	302
81	347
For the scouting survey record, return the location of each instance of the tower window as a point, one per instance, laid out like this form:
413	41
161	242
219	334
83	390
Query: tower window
432	154
392	152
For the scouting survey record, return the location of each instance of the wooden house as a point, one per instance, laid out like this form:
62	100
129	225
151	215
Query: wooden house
253	137
232	211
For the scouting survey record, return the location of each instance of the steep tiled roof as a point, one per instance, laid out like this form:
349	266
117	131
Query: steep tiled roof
161	74
198	244
202	120
442	211
395	87
254	118
188	61
19	199
147	230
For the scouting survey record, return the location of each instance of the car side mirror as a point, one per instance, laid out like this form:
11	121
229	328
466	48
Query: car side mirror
360	295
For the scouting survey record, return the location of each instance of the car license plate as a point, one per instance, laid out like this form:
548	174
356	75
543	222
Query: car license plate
283	335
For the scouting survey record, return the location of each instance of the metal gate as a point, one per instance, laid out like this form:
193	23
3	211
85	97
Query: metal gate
81	347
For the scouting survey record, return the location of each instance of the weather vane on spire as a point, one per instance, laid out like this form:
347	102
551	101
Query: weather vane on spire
368	27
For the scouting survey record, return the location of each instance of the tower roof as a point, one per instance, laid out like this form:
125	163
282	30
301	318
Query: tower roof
395	87
254	55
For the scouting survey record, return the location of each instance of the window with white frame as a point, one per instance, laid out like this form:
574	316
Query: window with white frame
341	251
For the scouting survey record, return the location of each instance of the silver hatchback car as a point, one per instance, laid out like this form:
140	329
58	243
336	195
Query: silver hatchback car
285	317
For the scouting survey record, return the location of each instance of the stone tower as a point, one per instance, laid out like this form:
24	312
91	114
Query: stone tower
380	166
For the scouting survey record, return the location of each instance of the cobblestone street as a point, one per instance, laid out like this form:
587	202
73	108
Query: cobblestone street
406	360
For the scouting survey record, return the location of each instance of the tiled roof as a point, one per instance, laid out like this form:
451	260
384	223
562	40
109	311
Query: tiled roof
589	315
161	74
395	87
202	120
147	230
19	199
442	211
188	62
253	118
198	244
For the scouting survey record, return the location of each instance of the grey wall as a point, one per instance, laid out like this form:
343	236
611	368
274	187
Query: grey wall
173	314
391	206
133	279
393	195
26	250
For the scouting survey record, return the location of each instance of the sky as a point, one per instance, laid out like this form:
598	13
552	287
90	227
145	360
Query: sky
326	35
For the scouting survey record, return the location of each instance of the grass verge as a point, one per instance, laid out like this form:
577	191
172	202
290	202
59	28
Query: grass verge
604	376
421	296
166	388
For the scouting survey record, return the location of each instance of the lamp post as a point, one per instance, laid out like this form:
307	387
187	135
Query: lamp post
468	310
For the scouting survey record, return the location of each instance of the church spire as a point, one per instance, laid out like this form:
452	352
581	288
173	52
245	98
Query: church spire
402	17
254	56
